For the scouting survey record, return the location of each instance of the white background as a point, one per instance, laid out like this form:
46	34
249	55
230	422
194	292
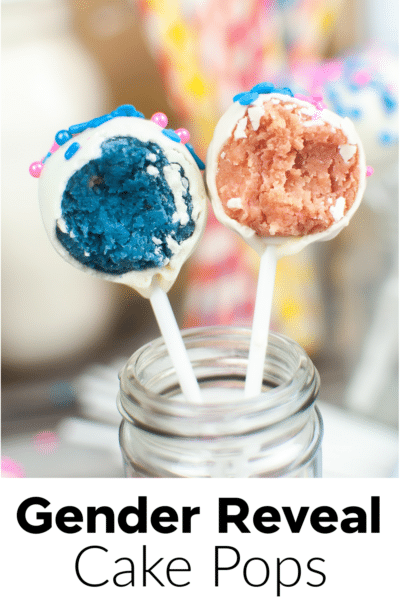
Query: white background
364	566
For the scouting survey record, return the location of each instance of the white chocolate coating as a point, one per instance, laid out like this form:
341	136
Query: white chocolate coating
57	171
223	131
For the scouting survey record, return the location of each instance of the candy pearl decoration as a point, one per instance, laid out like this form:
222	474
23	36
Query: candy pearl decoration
183	134
160	119
36	168
62	137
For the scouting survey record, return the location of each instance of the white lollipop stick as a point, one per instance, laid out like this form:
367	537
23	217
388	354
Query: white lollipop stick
175	346
261	320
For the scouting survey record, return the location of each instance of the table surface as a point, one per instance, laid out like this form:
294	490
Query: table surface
78	446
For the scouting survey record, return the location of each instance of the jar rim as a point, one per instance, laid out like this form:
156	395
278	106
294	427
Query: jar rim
299	390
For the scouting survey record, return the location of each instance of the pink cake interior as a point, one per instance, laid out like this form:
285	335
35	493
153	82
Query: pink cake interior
287	178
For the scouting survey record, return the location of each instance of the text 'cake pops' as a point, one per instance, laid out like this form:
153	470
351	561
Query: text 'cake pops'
123	197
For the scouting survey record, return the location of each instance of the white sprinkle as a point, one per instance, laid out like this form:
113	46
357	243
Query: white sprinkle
61	224
71	234
172	244
86	253
316	121
347	151
307	111
173	176
255	114
240	129
234	203
151	157
337	211
223	154
152	170
156	240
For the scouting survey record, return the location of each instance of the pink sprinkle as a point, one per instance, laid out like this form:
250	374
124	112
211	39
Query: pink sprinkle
332	69
301	97
362	77
46	442
370	171
318	102
315	100
54	147
160	119
183	134
11	468
35	169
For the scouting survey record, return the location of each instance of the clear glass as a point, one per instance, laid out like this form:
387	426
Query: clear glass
275	434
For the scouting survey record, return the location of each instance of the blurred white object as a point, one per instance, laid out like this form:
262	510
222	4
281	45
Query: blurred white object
367	92
374	381
381	20
356	447
97	389
88	434
50	310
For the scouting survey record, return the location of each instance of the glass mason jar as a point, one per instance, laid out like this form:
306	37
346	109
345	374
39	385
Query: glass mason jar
275	434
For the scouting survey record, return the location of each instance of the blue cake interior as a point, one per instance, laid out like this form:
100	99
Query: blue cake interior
117	215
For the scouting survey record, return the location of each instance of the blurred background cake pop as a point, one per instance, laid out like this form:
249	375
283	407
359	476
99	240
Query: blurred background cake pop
362	85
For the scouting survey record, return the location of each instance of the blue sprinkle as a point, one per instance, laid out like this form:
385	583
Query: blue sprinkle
78	128
99	121
62	137
353	86
46	157
377	85
248	98
263	87
238	96
285	91
127	110
171	134
198	160
389	103
355	113
387	139
69	153
340	111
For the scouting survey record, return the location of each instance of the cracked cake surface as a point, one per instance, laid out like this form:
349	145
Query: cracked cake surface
284	171
291	176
